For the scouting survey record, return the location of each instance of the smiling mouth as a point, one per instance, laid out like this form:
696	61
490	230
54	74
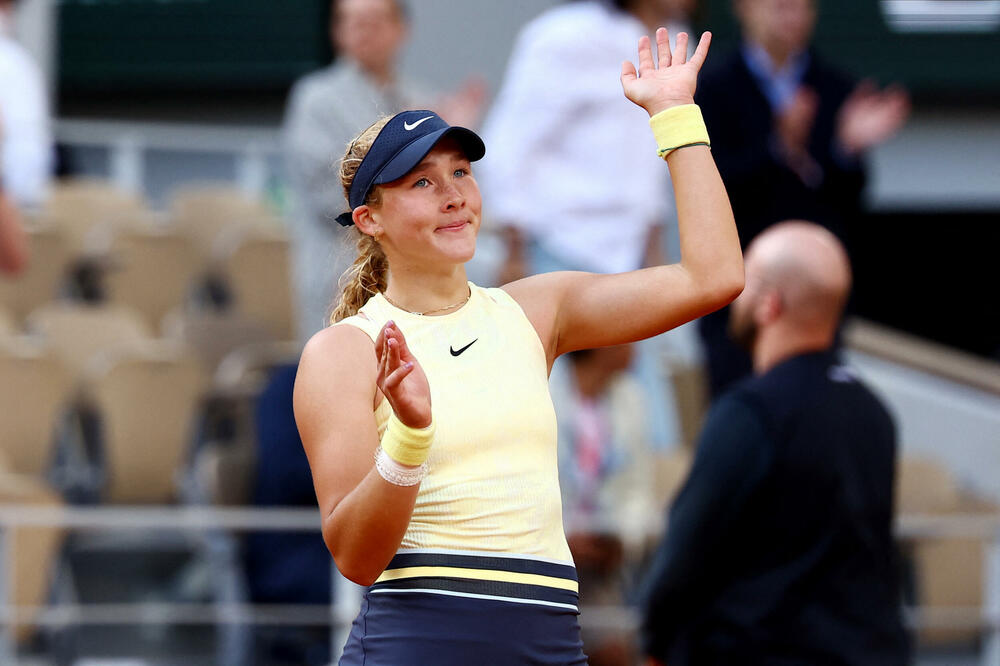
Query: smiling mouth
456	226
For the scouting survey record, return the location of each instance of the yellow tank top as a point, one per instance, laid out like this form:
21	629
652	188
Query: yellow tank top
492	485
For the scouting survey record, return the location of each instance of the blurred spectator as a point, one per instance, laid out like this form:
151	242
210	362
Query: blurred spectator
548	124
325	110
606	482
13	241
779	546
789	133
25	136
285	567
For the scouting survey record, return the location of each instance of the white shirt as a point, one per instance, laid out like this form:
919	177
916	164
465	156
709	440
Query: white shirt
25	135
569	160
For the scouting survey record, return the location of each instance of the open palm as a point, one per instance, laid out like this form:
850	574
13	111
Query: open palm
401	379
669	81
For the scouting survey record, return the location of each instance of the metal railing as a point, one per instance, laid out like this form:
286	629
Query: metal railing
347	595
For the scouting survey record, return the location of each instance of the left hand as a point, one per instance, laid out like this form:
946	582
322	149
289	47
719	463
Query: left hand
870	116
672	81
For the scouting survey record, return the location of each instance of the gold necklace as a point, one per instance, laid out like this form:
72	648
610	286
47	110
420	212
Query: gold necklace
427	312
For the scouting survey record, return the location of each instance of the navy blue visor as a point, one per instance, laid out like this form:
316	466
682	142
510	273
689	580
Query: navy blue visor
399	147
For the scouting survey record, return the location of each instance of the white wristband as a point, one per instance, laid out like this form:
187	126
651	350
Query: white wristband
397	473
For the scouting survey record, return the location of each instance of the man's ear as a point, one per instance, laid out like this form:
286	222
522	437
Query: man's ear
769	307
365	221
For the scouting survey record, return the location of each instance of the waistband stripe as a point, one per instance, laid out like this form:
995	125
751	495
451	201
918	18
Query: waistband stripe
489	597
484	588
478	574
405	560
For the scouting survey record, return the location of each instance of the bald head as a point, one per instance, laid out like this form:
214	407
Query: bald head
807	266
797	281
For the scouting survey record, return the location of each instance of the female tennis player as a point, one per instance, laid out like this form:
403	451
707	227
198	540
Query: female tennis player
425	410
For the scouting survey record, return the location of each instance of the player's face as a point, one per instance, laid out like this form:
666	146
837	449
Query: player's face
433	212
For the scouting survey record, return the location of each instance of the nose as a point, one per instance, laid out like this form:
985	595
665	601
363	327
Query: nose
453	197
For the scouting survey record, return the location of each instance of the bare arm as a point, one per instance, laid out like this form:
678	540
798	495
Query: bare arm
579	310
339	379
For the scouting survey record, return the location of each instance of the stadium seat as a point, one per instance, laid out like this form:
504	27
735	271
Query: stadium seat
78	332
35	549
77	207
212	334
256	267
925	486
7	326
948	571
203	211
690	386
42	281
151	272
146	399
35	390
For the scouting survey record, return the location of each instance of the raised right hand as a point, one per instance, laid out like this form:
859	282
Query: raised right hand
401	379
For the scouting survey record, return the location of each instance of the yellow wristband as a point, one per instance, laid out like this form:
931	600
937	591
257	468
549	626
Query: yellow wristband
679	127
406	445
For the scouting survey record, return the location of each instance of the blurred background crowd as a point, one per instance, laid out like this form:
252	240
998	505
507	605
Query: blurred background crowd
168	243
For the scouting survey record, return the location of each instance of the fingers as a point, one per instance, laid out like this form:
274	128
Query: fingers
402	349
628	72
380	340
645	55
701	52
396	376
663	47
680	49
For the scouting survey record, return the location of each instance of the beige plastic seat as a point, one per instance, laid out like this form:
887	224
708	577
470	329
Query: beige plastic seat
211	334
949	571
256	267
35	389
77	206
203	211
35	549
670	471
41	282
7	326
691	393
146	401
151	272
77	332
224	470
925	486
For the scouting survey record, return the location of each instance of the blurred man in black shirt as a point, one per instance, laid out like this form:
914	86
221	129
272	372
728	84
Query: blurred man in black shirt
779	548
789	133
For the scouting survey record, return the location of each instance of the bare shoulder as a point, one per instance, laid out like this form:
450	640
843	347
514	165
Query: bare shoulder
339	361
540	297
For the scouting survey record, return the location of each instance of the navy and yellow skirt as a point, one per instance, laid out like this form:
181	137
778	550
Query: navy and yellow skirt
452	608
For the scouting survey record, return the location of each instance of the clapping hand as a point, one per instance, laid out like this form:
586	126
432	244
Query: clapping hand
870	116
401	379
671	81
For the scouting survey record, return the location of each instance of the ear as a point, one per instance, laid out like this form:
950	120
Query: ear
769	307
365	221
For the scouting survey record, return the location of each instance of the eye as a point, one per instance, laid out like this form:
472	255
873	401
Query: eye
421	182
460	172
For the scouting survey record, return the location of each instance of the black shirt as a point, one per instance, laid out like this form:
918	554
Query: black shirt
779	546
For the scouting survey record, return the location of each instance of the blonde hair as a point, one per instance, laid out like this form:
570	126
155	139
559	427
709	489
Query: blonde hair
368	274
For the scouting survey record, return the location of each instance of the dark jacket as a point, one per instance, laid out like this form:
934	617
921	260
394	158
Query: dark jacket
779	547
761	188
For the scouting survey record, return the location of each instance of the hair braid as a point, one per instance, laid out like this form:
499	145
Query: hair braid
369	273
